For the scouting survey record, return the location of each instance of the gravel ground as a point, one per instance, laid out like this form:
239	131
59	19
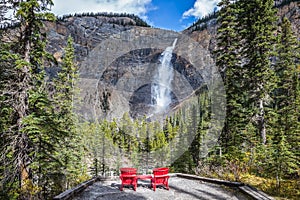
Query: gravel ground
180	189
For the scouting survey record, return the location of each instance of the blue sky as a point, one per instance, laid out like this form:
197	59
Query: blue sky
168	14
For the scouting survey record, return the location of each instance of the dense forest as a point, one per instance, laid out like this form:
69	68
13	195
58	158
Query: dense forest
47	148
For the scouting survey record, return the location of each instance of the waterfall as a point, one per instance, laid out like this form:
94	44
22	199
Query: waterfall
161	90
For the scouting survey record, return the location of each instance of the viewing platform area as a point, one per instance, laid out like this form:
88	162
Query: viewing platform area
182	187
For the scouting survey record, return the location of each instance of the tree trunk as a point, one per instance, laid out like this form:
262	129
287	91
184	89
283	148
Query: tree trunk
22	109
262	123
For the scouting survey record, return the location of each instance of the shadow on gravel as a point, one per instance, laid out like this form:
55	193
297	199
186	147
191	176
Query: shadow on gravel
143	184
186	192
123	196
211	195
101	192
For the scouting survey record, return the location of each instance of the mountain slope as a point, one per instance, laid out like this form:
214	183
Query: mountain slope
204	30
118	60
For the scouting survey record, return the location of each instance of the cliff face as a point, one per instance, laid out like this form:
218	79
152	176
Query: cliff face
118	62
205	32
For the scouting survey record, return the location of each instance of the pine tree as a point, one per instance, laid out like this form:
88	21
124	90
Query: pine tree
65	91
134	134
228	62
198	115
42	123
89	132
183	158
257	21
286	125
7	121
24	89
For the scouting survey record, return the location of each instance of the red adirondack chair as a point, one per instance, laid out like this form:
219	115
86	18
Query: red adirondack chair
160	177
128	177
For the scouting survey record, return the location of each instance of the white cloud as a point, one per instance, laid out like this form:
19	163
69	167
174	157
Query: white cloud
201	8
138	7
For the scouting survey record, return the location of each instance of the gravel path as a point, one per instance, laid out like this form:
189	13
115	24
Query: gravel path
180	189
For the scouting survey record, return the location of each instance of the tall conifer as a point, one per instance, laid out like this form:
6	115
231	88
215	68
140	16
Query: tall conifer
228	62
64	99
257	20
25	94
286	126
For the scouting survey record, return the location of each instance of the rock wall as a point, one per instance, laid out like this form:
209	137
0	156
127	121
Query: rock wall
121	61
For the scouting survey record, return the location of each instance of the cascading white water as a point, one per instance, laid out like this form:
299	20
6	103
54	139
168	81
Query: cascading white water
161	90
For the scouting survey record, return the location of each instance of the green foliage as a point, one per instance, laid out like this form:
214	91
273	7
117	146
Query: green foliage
144	144
228	61
37	126
262	89
286	124
257	20
137	20
202	23
184	164
71	150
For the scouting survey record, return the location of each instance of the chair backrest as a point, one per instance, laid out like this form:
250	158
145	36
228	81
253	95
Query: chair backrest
160	171
128	171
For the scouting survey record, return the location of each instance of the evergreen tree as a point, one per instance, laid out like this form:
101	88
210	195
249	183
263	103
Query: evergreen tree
90	137
9	173
65	91
195	147
134	134
39	128
23	90
160	146
228	61
183	147
257	21
286	125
